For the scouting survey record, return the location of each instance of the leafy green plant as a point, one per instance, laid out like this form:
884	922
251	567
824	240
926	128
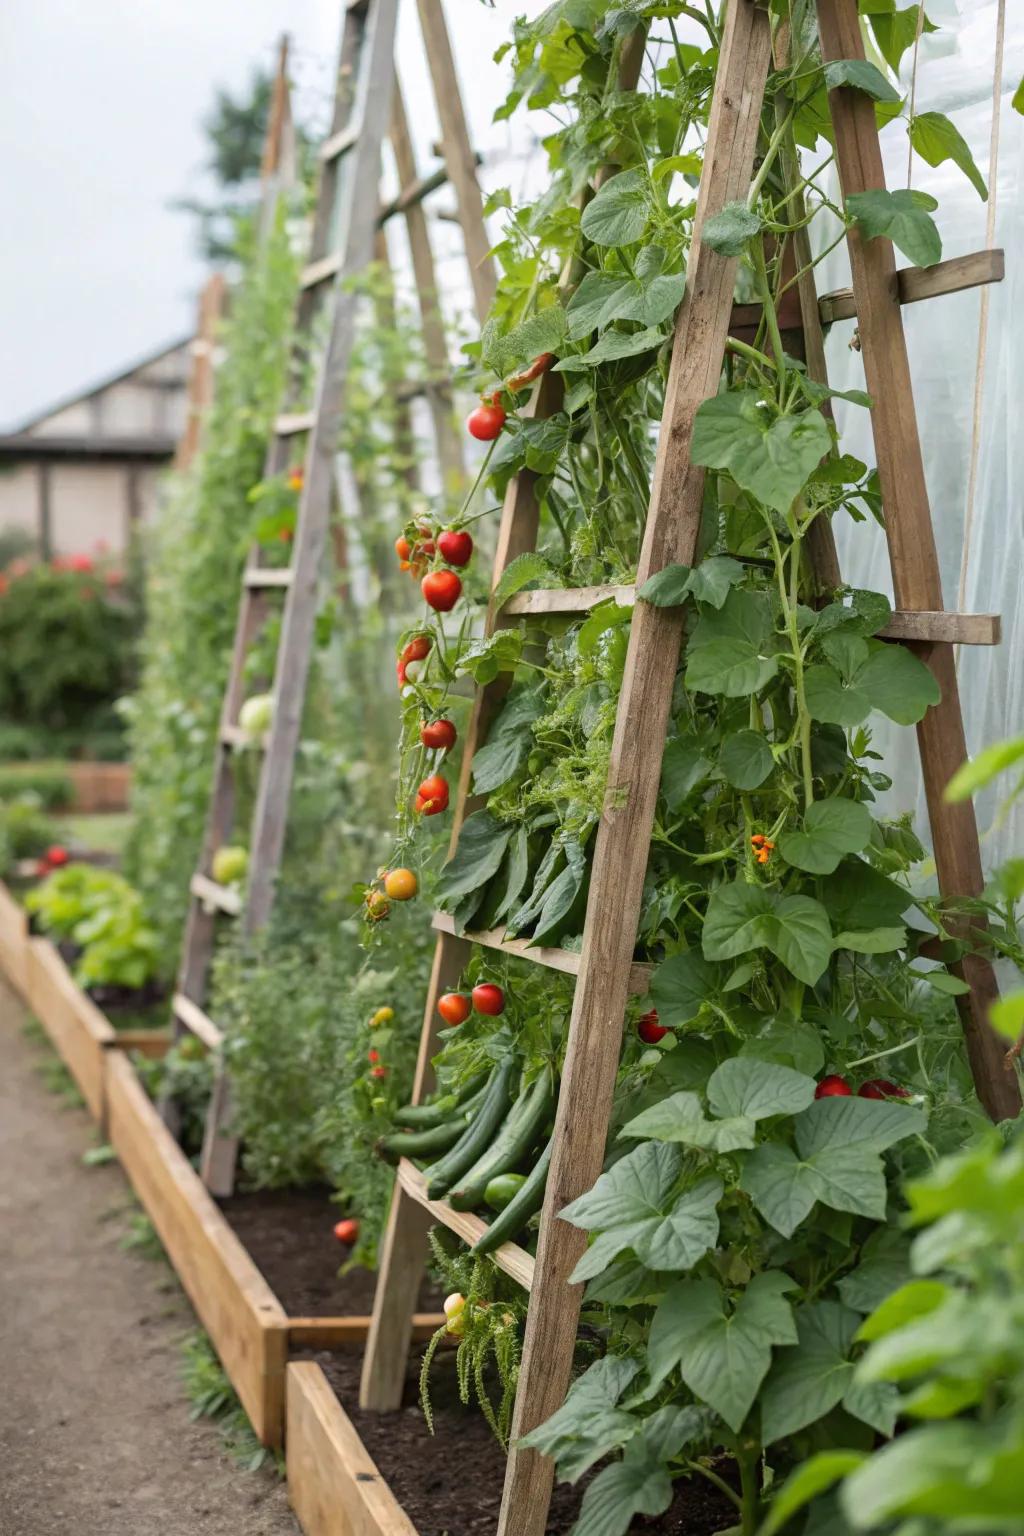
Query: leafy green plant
51	785
184	1074
101	914
948	1345
212	1396
25	830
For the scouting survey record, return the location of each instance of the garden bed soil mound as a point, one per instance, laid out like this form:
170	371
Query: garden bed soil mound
450	1483
289	1235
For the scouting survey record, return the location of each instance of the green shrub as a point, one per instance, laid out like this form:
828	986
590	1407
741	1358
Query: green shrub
25	831
50	786
100	912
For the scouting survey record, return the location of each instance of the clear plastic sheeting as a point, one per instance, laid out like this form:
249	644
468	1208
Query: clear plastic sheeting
955	76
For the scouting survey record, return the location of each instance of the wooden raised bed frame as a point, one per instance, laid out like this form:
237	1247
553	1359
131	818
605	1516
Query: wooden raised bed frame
77	1029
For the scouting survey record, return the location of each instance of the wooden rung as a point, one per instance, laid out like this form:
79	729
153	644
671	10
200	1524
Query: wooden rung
291	423
218	896
917	283
320	271
339	142
935	625
194	1019
414	193
331	1332
565	960
258	576
568	599
515	1261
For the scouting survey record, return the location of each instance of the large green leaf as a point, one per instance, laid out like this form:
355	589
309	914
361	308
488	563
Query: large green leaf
745	760
561	896
588	1425
860	897
731	650
618	214
833	700
814	1477
957	1473
936	139
741	917
772	457
723	1357
904	217
863	76
981	770
808	1380
634	1205
758	1089
478	855
612	346
709	582
791	1042
684	766
602	298
520	572
680	985
680	1118
898	683
639	1484
832	828
509	740
729	231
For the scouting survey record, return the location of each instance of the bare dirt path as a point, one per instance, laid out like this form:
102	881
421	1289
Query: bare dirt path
95	1437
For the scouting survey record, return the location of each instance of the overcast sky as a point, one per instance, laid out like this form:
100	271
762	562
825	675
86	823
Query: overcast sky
101	108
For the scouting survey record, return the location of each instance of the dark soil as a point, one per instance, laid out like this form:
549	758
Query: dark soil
289	1235
449	1484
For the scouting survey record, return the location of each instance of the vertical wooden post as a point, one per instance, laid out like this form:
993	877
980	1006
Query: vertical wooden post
623	838
200	383
908	526
458	153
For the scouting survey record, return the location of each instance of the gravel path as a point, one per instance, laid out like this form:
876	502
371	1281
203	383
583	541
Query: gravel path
95	1438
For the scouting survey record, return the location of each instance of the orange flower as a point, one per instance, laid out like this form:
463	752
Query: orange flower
757	840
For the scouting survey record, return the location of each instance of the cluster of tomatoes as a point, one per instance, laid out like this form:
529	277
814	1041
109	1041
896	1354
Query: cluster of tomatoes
54	858
836	1087
455	1007
380	1017
396	885
453	547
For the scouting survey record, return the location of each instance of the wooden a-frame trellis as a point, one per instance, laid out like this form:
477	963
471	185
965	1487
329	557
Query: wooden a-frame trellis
347	233
606	974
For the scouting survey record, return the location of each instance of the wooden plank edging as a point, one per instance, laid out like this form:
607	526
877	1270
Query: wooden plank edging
334	1486
13	940
75	1026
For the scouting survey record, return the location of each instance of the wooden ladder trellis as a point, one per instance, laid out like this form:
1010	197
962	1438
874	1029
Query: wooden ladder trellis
347	234
606	974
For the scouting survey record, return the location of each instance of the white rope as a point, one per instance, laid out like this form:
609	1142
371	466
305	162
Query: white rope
913	91
979	371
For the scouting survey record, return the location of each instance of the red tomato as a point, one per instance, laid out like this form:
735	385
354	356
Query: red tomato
881	1088
441	590
403	549
56	856
648	1028
378	1071
438	735
347	1231
453	1007
418	649
432	795
487	998
833	1087
373	1056
485	422
456	546
80	563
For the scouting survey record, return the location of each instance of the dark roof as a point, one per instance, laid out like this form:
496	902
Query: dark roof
22	447
95	389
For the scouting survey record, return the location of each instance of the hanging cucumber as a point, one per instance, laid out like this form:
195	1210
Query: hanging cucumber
526	1123
508	1225
427	1142
478	1136
442	1110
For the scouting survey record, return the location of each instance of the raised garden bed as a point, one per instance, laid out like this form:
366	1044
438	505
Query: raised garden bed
77	1029
354	1473
13	941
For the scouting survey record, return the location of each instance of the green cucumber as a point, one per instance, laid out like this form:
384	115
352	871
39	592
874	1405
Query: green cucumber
441	1111
527	1121
479	1133
507	1226
501	1191
432	1139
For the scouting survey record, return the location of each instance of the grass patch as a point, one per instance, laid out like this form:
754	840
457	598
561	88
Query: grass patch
56	1078
102	832
213	1397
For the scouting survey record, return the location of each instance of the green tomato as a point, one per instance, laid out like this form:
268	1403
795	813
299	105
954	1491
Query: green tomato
503	1189
256	714
229	864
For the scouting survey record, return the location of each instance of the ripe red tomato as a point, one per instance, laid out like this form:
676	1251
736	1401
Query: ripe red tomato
833	1087
485	422
432	795
438	735
56	856
347	1231
378	1071
487	998
456	546
373	1055
403	549
881	1088
454	1007
648	1028
441	590
418	649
